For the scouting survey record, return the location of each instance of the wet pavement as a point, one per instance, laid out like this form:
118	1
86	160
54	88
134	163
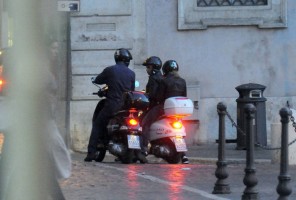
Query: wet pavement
159	180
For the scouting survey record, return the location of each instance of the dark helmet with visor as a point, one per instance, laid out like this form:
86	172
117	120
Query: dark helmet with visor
123	55
170	66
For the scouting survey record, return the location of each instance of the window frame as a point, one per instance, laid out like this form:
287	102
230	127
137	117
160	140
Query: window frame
272	15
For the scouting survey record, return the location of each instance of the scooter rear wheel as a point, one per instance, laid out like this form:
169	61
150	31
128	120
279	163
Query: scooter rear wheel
128	157
174	157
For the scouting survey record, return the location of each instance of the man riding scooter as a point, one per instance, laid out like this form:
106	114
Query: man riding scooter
119	79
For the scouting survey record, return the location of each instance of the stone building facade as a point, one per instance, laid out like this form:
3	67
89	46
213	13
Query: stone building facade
218	46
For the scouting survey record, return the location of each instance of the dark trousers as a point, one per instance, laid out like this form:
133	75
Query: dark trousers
151	116
99	127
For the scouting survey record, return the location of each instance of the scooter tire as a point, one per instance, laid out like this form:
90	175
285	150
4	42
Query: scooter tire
100	155
128	157
174	159
139	156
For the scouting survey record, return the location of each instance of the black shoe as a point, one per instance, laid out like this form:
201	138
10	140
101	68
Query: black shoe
185	160
90	157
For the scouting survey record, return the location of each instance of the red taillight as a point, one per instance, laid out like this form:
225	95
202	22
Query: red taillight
177	124
1	79
1	141
1	84
133	122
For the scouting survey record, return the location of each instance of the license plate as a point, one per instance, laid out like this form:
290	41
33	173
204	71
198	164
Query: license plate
133	141
180	144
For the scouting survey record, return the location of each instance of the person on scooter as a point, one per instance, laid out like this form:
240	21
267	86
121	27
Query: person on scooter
153	65
119	79
170	86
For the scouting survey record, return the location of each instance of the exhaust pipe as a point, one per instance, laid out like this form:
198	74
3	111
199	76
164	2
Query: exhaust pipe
161	151
116	149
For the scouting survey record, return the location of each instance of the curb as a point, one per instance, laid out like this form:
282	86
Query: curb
235	161
201	160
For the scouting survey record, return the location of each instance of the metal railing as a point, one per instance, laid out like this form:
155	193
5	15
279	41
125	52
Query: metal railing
260	145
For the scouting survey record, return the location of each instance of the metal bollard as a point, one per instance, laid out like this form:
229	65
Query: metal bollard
283	188
250	179
221	187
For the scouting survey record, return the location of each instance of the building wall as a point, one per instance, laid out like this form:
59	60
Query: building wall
213	61
97	30
223	57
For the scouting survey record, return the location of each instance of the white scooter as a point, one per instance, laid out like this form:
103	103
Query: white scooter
166	135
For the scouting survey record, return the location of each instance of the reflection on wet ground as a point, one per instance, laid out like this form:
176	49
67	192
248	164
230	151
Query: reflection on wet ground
133	182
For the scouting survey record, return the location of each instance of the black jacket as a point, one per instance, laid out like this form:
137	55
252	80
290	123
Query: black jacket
119	79
172	85
152	87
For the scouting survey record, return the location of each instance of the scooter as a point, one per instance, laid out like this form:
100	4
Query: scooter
123	129
167	134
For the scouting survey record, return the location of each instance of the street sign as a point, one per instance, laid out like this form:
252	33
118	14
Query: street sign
69	6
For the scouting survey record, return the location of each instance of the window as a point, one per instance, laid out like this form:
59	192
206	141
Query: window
207	3
201	14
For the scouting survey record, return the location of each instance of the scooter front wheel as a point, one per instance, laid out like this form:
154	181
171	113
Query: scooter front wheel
100	155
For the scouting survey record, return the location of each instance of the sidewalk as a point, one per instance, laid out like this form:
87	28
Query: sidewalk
208	153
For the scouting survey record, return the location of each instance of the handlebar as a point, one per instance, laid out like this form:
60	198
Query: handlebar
101	93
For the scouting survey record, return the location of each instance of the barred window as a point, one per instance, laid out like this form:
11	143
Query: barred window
208	3
202	14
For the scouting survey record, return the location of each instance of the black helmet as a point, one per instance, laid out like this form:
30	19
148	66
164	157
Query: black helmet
169	66
123	55
154	61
